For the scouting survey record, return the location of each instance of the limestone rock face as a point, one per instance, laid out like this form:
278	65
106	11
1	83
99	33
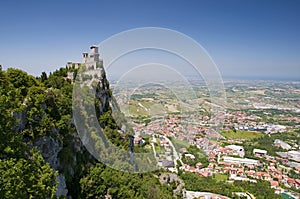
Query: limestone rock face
21	120
69	155
49	148
62	187
102	93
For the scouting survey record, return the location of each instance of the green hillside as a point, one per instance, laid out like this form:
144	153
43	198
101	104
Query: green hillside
40	149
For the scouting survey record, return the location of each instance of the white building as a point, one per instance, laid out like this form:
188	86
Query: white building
73	65
190	156
241	160
282	144
237	150
294	155
204	195
259	152
276	129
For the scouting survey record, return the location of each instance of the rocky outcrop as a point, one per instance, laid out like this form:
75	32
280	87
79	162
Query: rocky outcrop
21	120
61	187
50	149
69	156
169	178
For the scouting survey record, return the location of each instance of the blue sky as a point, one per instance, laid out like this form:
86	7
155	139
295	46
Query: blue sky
244	38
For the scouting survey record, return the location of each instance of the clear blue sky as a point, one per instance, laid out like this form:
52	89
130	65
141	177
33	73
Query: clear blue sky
244	38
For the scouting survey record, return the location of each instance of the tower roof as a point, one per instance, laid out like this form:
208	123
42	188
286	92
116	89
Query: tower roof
93	46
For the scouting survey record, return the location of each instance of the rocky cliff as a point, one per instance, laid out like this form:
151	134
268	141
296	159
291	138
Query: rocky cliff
61	147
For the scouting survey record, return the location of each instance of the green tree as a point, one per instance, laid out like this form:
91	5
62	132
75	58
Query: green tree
27	178
101	180
44	76
21	79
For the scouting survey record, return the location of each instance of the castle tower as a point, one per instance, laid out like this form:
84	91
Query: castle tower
94	54
84	57
91	60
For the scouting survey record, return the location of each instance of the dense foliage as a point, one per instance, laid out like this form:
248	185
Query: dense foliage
102	180
24	173
32	108
200	157
26	178
260	190
266	142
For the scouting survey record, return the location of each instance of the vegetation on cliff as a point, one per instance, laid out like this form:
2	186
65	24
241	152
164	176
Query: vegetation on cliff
33	108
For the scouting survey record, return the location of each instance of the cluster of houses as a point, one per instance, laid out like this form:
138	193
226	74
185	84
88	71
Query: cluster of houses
224	160
175	127
241	121
230	159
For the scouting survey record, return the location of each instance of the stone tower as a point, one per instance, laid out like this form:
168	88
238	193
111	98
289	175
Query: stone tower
84	57
91	60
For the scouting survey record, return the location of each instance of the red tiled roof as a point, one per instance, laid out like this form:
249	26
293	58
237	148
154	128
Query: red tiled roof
192	169
291	181
274	183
